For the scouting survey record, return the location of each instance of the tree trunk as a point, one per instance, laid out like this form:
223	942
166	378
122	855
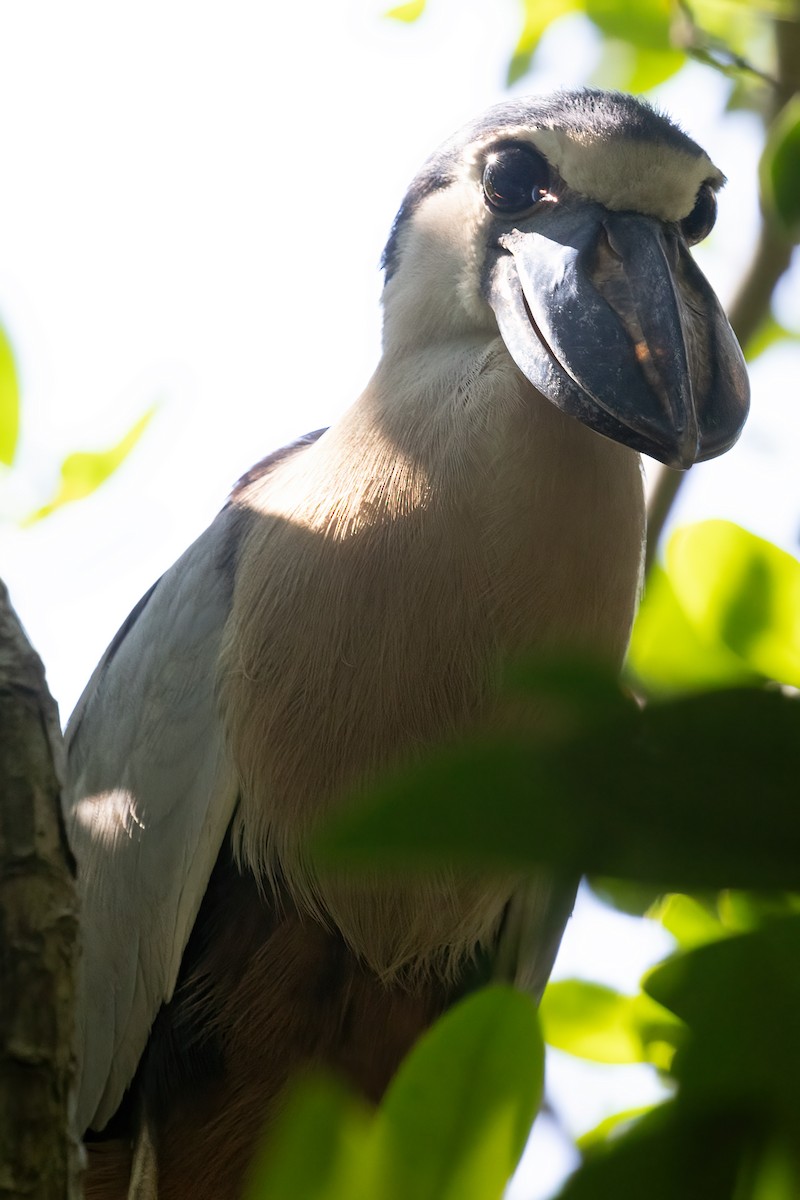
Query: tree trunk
39	1155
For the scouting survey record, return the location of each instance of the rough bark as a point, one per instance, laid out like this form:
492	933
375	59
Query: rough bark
39	1157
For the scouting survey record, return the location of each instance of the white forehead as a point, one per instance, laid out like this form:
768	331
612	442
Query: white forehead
657	179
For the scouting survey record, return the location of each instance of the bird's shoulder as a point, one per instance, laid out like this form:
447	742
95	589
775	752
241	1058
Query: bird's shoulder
150	792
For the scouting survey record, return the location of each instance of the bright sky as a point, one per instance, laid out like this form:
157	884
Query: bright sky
193	204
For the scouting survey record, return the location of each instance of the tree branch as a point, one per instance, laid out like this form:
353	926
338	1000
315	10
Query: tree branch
751	304
39	1156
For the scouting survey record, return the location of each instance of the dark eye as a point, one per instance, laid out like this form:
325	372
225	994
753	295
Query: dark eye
700	220
514	178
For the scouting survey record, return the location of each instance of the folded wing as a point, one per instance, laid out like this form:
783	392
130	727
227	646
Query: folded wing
151	791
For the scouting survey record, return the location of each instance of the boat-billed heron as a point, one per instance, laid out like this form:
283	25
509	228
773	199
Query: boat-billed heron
544	322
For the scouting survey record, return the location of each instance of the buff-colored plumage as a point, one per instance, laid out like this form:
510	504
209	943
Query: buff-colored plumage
400	580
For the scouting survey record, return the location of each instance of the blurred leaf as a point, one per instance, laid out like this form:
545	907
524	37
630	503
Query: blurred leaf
776	1172
695	921
740	998
779	170
696	793
627	67
666	1155
539	15
743	911
457	1116
596	1022
565	693
644	29
83	472
627	896
751	96
610	1127
590	1021
784	9
669	654
319	1149
407	12
452	1125
726	610
650	68
690	922
9	402
645	25
742	592
769	333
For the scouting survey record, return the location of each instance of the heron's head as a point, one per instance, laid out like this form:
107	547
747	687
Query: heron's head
565	224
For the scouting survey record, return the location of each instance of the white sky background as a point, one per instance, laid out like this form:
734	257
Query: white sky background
193	202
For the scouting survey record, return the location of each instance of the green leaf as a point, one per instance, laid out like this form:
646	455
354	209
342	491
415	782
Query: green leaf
83	472
571	692
627	896
539	15
694	921
690	922
668	653
624	67
769	333
667	1155
740	998
611	1126
319	1149
9	402
650	68
726	610
646	24
741	592
779	170
776	1172
407	12
742	911
696	793
452	1125
596	1022
457	1116
733	1128
721	17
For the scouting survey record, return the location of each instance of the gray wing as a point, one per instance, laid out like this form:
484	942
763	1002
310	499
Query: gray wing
532	929
150	793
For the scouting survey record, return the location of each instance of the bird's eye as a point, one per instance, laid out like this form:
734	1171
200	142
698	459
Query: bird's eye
700	220
514	178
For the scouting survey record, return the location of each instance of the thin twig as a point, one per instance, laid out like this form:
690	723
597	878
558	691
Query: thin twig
751	304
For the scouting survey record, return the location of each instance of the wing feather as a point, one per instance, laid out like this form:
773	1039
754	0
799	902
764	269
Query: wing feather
532	929
150	793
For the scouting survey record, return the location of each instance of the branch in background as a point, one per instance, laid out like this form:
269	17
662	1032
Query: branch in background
749	308
38	930
751	304
713	51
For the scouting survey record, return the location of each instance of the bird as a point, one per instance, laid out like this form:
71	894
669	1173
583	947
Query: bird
352	606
